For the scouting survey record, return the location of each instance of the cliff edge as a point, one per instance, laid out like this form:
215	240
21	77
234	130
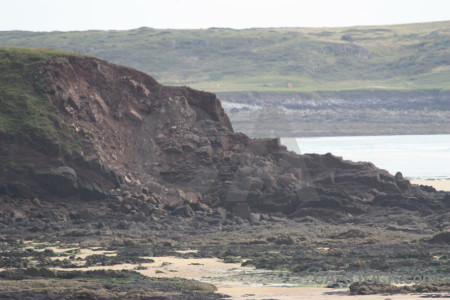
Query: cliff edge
95	136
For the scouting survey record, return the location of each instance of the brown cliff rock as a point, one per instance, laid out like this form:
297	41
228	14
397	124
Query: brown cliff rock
178	145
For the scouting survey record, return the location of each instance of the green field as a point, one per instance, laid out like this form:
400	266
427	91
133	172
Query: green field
400	57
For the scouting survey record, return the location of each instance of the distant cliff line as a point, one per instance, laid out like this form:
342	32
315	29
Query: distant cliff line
327	113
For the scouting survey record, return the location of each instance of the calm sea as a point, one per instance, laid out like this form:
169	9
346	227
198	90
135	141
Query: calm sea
416	156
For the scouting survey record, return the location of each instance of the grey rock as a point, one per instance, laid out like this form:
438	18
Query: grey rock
62	181
254	218
242	210
222	213
184	211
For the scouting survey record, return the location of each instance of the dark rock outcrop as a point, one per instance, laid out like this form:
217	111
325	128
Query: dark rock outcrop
151	148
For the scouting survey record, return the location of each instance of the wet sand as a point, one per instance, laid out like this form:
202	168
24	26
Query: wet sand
202	269
303	293
193	268
440	185
215	271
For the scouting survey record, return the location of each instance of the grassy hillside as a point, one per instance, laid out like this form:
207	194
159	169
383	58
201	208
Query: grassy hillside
400	57
25	109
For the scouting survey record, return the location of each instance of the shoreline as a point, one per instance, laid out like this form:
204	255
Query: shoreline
438	184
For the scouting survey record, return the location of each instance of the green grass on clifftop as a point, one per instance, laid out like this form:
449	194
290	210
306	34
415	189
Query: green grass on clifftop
397	57
24	107
26	112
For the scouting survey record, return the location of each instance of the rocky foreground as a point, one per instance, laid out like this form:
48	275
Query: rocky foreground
132	160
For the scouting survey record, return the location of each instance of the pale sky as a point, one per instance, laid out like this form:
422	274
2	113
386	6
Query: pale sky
66	15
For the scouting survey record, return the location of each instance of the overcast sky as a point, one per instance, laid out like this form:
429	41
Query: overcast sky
65	15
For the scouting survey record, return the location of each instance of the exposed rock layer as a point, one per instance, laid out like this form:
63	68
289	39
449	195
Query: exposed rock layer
153	149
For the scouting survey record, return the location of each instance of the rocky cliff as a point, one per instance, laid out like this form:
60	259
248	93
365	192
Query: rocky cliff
126	145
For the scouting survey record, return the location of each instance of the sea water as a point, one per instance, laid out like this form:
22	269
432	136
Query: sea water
416	156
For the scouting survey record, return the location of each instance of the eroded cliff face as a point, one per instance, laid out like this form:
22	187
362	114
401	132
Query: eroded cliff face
152	150
139	129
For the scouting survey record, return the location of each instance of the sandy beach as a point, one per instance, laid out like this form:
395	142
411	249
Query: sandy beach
440	185
221	274
305	293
